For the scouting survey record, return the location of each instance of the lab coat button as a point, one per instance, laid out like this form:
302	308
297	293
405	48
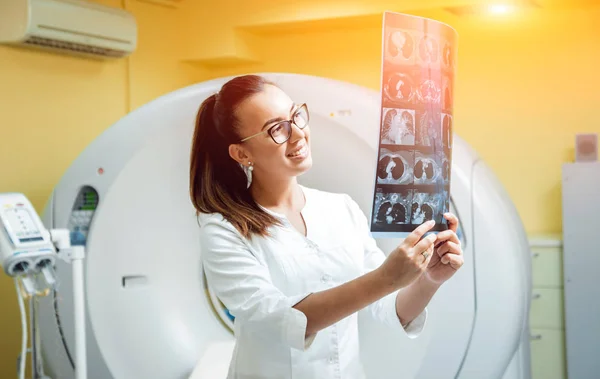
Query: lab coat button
331	360
325	278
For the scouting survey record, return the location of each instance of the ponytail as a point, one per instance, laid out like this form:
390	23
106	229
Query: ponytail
218	184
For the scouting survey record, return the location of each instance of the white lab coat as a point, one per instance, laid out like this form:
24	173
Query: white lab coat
260	279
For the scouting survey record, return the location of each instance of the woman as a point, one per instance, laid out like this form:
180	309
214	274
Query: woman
294	264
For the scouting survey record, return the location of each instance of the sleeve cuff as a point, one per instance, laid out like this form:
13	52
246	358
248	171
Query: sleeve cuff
413	329
294	325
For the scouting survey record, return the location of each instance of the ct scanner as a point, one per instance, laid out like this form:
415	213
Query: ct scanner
149	313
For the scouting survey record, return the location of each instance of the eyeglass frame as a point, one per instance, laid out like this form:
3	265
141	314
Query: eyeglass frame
291	121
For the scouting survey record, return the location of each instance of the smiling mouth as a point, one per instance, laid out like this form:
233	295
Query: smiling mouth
298	152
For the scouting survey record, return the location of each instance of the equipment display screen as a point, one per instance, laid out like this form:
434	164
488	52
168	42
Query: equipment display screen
22	224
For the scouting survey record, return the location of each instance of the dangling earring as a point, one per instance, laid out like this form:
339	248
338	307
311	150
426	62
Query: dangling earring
249	174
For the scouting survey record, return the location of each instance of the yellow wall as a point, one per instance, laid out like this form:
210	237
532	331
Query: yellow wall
524	89
53	106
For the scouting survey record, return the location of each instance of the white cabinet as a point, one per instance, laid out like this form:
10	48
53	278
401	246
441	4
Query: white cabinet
546	315
581	263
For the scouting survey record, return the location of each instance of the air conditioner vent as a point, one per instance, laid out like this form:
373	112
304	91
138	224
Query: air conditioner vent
74	47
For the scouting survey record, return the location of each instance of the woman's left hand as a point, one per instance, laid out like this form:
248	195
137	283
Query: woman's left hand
447	255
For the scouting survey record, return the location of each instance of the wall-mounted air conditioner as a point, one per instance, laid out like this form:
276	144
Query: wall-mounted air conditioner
68	26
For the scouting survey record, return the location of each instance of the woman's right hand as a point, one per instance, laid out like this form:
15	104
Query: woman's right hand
410	259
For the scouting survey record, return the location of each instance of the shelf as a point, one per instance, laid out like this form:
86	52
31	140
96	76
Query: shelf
222	61
315	25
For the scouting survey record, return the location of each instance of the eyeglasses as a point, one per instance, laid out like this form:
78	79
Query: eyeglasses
282	130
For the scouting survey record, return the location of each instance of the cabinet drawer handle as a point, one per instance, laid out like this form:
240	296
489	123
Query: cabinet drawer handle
535	255
536	296
536	337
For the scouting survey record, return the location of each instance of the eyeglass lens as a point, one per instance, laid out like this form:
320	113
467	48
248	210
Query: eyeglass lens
282	131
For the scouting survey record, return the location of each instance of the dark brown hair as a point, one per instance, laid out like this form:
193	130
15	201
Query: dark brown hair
218	184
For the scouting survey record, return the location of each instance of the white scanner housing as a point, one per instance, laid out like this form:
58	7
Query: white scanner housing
150	313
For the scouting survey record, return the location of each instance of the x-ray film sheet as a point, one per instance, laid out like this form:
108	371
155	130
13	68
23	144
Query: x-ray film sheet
412	183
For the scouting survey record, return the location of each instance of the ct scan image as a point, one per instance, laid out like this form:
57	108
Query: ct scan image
399	47
428	50
428	206
447	95
428	168
395	167
428	130
392	208
446	170
398	126
399	87
429	91
446	130
447	56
